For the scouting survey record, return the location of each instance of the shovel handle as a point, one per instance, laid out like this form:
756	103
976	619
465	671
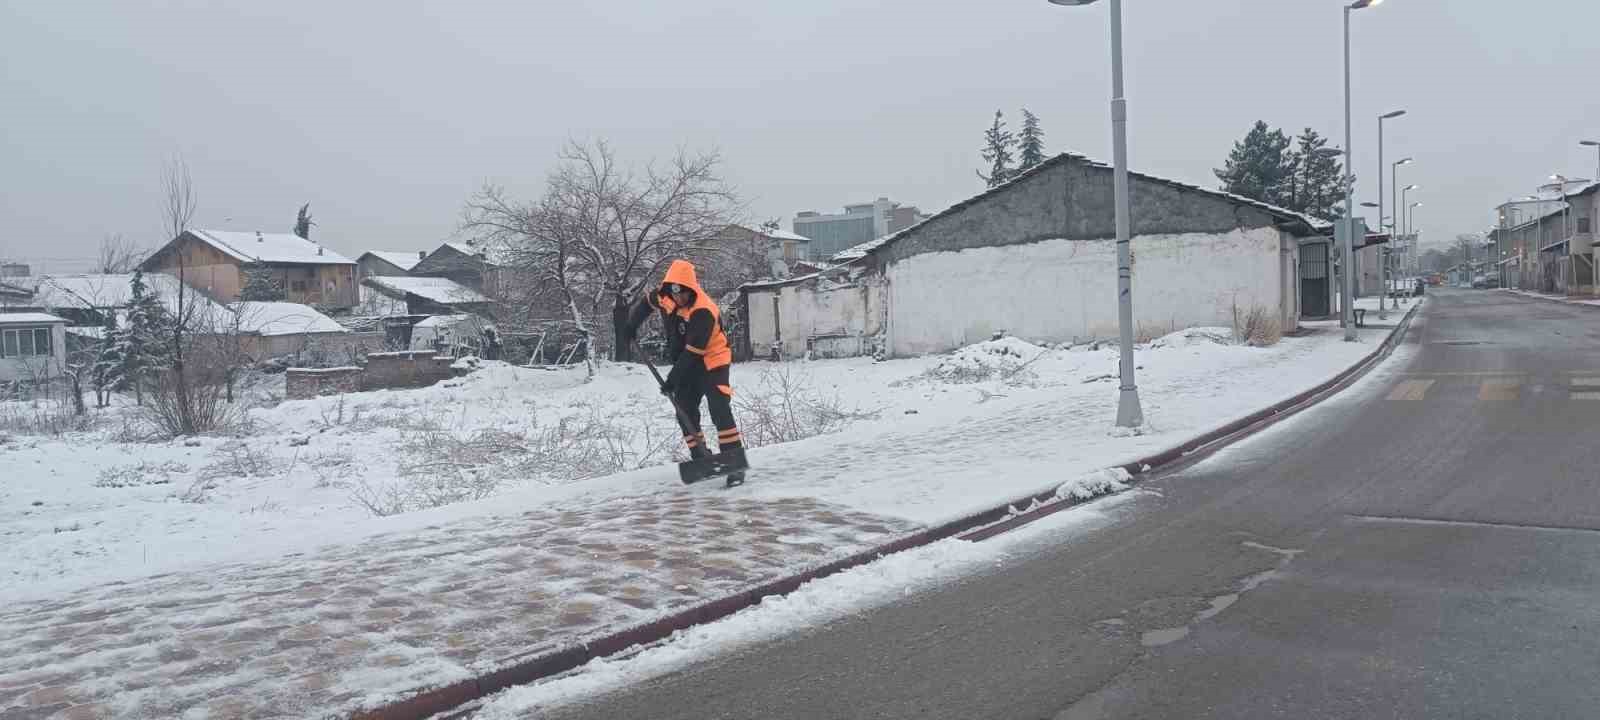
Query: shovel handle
683	417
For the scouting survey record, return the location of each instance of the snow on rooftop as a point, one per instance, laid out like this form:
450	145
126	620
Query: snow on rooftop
776	234
270	247
28	317
283	318
91	291
399	259
437	289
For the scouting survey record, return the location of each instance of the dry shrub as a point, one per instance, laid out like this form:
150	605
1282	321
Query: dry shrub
441	466
140	474
43	415
1257	327
190	404
784	407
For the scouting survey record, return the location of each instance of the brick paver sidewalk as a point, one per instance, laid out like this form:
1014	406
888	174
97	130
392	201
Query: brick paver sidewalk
325	633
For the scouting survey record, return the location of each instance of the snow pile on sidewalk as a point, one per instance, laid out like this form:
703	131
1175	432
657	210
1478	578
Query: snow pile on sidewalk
1195	336
1003	358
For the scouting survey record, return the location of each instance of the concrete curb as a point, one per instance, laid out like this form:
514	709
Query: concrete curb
978	526
1558	299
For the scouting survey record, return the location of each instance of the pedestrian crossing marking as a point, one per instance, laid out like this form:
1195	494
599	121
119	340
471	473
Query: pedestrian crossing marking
1411	389
1499	389
1586	382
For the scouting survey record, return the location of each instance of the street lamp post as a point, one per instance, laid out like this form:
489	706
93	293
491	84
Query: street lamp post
1129	412
1382	311
1346	308
1394	188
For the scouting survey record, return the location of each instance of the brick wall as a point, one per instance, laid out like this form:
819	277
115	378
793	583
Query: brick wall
303	383
407	368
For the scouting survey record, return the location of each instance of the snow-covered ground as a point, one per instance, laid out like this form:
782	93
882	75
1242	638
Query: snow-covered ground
921	439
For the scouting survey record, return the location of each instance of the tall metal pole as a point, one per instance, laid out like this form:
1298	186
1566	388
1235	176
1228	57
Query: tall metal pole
1346	307
1129	413
1383	266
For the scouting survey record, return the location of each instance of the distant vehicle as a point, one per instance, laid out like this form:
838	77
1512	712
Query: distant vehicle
1485	282
1435	280
1421	287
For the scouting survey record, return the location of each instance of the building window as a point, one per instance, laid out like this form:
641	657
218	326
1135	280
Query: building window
1583	225
25	342
298	286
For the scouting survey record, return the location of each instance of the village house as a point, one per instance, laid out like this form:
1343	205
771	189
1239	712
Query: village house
32	347
385	263
472	267
277	329
430	295
1036	258
216	262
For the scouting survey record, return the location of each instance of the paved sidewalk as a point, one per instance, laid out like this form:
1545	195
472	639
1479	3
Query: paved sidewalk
327	632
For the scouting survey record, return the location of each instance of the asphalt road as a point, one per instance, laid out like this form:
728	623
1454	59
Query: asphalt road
1424	545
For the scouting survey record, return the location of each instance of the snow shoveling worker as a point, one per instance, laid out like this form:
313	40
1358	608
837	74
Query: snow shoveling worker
700	356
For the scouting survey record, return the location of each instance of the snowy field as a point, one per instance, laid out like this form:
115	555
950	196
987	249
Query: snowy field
921	439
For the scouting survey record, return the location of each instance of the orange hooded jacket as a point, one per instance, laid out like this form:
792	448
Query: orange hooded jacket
711	346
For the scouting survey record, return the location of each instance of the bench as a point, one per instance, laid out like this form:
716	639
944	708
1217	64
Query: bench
1361	316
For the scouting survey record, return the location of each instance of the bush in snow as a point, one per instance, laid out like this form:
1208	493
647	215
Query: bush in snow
239	459
140	474
1195	336
1257	327
784	407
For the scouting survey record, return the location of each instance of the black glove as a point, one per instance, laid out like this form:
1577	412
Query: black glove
667	388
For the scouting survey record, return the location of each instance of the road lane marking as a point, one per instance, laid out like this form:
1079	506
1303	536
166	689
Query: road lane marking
1418	520
1586	382
1586	396
1498	390
1411	389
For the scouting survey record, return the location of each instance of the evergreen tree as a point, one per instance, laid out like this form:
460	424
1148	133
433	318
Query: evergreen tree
141	341
1260	166
302	222
1031	142
107	370
997	144
260	285
1315	187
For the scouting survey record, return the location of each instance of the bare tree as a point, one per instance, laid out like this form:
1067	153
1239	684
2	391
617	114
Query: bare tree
603	231
117	255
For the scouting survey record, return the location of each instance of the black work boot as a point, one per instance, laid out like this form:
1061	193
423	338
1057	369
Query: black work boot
733	458
699	452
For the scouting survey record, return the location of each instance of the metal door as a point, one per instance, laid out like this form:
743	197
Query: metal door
1314	281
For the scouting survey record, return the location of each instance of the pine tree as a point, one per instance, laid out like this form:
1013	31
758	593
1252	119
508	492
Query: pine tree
260	285
141	341
302	222
107	370
997	144
1031	142
1259	167
1316	187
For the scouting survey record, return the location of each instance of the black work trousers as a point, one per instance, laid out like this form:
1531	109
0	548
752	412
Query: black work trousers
714	387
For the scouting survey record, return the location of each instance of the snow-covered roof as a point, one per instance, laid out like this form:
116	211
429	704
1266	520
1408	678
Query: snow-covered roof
494	253
437	289
776	234
95	291
283	318
444	321
31	318
270	247
402	260
866	248
9	289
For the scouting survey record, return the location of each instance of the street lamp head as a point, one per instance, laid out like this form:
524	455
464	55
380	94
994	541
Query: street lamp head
1411	187
1395	114
1369	204
1590	143
1072	2
1405	161
1361	4
1416	204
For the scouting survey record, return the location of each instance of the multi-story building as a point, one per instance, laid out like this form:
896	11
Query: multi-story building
859	223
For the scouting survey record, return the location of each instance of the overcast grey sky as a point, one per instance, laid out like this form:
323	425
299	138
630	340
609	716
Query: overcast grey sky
386	116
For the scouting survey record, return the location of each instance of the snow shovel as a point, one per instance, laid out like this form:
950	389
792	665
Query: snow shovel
693	471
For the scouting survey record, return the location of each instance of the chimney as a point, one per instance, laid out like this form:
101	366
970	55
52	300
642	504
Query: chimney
259	238
422	254
319	249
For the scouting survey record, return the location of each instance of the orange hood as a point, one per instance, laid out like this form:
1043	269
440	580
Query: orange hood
682	273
